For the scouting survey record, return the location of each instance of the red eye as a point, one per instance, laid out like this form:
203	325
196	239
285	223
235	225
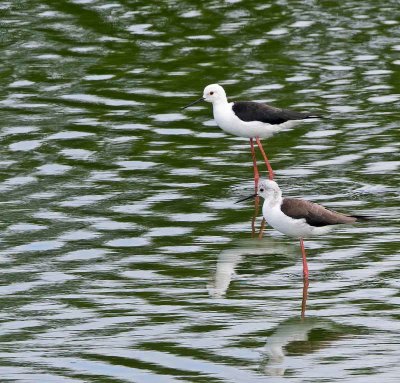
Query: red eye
211	93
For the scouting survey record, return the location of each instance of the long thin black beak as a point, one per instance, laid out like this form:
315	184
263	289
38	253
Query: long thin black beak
194	102
246	198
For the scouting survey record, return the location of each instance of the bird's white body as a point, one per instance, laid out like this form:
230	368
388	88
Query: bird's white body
297	228
276	218
227	120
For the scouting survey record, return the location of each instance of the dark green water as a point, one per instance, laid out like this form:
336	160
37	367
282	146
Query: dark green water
123	258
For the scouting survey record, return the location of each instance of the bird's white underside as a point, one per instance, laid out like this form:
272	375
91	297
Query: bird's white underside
297	228
227	120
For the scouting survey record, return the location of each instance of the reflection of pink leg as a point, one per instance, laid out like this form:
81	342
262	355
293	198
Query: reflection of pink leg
261	232
303	253
253	220
270	171
304	300
253	155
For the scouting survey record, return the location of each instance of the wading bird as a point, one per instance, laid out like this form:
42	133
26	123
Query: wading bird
249	119
297	217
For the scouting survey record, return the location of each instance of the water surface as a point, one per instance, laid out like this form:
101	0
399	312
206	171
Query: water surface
123	256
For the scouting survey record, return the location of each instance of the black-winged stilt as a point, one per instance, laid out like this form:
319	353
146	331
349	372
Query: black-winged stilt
297	217
249	119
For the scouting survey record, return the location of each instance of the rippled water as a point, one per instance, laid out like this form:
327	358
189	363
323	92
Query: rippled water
123	258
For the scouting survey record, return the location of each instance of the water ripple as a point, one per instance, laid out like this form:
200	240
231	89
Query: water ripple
124	256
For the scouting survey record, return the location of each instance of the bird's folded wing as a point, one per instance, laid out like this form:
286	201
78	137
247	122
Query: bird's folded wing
314	214
254	111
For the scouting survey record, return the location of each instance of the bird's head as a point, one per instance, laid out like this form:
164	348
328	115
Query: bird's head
267	189
212	93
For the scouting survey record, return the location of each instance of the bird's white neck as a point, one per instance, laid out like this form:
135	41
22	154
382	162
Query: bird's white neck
222	101
274	200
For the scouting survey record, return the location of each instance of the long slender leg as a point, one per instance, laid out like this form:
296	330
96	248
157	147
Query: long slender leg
253	155
303	253
257	199
304	299
270	171
256	179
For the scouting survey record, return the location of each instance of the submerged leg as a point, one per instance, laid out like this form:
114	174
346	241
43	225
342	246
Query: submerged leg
303	253
253	155
270	171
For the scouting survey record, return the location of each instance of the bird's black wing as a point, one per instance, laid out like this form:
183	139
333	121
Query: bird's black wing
254	111
314	214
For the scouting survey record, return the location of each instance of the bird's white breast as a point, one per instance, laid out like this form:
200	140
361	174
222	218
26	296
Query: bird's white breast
227	120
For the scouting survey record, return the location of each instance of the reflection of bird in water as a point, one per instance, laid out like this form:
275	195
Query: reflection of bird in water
274	361
249	119
230	258
298	218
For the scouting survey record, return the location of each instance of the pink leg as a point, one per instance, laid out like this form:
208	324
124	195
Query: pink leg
270	171
253	155
303	252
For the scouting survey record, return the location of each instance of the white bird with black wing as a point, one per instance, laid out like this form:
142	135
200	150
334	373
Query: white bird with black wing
249	119
297	217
